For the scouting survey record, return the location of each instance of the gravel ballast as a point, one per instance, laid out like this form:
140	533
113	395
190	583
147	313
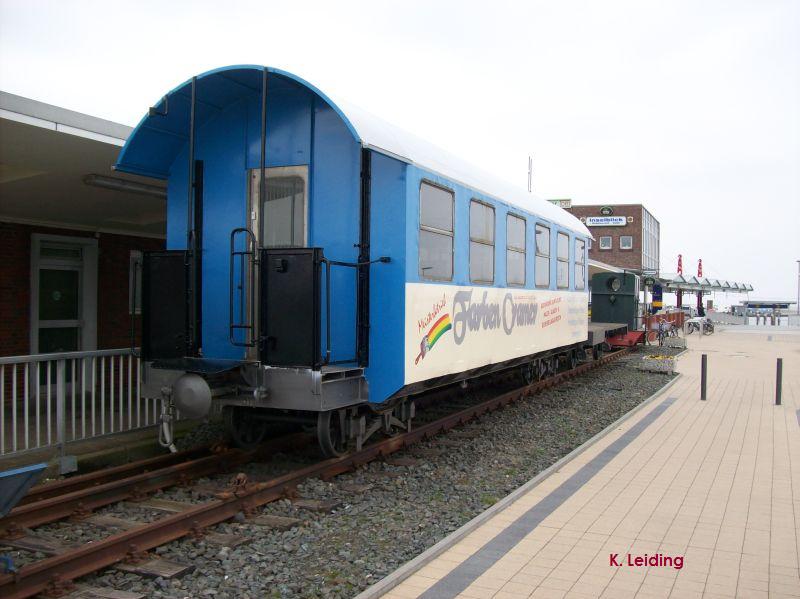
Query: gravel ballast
388	514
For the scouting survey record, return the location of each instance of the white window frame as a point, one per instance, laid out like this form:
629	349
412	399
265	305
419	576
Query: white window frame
88	281
603	246
451	234
580	263
623	247
523	250
562	260
538	254
491	244
257	205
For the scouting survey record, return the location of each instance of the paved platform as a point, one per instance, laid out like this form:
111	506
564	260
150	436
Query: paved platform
712	489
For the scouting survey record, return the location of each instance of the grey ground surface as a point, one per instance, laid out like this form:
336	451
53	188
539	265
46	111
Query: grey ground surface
405	510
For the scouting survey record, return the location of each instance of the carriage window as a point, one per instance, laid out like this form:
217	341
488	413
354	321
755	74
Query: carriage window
284	212
580	267
515	250
435	232
562	265
542	256
481	242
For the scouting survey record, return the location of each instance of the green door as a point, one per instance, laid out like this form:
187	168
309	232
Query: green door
59	309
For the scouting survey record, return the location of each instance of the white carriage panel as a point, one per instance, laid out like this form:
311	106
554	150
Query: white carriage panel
450	329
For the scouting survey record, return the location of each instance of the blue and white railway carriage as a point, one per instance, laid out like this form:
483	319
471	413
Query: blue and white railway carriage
324	266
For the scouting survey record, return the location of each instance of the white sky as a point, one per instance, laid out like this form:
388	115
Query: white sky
690	108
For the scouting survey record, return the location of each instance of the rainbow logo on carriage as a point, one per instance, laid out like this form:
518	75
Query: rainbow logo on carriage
439	328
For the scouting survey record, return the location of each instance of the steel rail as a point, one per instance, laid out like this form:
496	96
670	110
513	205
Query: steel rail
56	571
79	502
106	475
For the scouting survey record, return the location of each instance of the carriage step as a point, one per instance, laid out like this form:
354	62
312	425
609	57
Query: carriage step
338	373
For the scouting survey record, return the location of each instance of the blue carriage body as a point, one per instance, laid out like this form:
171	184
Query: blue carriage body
305	129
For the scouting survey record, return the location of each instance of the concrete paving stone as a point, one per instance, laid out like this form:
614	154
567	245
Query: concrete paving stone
545	593
685	594
791	590
752	585
653	592
751	594
712	481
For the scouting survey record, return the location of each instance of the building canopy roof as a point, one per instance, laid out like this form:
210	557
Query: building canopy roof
768	303
157	140
676	282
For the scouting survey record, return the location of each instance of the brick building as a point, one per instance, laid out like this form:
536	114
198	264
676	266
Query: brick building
626	235
71	231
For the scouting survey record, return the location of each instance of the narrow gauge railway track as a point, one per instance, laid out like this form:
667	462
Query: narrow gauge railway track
86	493
55	573
106	475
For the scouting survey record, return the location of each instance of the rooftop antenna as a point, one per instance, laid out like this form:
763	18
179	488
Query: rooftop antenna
530	174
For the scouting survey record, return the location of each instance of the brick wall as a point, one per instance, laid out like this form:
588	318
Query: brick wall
628	259
113	319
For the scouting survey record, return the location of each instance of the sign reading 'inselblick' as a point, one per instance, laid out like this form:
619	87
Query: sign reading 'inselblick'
605	221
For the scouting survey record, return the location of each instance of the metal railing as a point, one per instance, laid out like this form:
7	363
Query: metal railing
49	400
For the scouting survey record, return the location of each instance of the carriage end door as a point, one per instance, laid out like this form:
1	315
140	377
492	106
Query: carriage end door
280	220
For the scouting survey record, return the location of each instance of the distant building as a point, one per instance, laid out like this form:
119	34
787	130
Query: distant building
625	235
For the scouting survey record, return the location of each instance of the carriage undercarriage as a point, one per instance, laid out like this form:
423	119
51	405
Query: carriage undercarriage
330	403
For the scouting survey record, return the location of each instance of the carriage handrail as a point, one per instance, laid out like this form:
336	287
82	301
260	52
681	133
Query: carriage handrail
233	326
328	264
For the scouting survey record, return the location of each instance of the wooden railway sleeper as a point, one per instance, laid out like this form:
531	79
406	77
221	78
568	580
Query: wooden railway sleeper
197	532
58	587
81	513
136	555
34	577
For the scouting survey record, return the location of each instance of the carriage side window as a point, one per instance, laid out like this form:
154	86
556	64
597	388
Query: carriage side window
481	242
542	256
580	265
284	211
435	233
562	264
515	250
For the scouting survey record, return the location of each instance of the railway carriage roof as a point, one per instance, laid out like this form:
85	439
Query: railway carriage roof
157	140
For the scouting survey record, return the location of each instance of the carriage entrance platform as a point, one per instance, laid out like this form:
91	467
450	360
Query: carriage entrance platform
681	498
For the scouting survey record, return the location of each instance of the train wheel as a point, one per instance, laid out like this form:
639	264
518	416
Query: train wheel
330	433
242	428
542	367
572	359
552	365
528	373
